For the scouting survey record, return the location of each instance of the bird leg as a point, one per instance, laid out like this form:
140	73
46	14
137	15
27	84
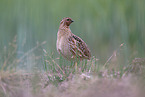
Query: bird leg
75	65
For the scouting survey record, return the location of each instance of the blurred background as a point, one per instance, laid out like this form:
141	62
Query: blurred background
103	24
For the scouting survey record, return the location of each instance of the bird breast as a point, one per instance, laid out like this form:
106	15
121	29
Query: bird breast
63	46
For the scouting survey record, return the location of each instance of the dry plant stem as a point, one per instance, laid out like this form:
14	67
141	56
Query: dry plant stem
31	50
13	52
57	66
1	84
54	61
28	52
108	60
114	54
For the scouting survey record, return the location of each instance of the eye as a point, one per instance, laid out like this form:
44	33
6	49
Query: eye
67	19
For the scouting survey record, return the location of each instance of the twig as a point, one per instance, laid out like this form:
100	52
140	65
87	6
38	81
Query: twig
108	60
9	55
114	54
31	50
1	84
54	61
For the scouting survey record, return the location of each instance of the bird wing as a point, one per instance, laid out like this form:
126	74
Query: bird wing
78	47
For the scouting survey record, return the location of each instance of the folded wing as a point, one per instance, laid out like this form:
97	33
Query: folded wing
78	47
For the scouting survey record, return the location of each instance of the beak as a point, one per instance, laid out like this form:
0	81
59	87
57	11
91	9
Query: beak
72	21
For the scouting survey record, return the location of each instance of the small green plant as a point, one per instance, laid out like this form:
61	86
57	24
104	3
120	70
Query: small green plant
60	70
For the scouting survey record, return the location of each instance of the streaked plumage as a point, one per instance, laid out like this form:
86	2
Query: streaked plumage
69	45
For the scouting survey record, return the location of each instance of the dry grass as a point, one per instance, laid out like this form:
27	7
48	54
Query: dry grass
91	80
32	85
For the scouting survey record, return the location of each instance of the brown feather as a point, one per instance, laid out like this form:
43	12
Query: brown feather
69	45
78	47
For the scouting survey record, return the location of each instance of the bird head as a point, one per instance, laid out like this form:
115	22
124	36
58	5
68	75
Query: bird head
66	21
